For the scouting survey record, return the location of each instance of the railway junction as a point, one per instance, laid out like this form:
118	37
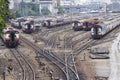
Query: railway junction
61	53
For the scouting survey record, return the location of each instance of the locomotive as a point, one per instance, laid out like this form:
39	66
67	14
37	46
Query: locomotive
28	28
77	26
100	29
82	25
17	23
86	25
52	23
10	37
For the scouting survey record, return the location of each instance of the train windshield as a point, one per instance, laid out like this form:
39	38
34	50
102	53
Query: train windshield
49	23
86	24
96	30
75	24
29	26
12	36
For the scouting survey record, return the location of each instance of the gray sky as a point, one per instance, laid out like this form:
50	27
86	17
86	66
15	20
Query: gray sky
83	1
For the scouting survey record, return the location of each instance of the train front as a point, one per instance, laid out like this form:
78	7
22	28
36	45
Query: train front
28	28
86	25
96	31
77	26
11	37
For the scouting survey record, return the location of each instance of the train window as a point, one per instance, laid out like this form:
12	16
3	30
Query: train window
7	32
29	26
12	35
17	32
92	30
86	24
75	24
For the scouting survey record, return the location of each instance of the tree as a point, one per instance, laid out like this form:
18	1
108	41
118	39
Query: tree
4	13
60	10
2	23
4	9
29	9
45	11
18	13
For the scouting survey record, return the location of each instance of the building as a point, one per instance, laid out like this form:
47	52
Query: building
48	4
11	5
26	1
115	1
67	2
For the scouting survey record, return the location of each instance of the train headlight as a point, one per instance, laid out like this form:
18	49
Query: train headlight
73	24
79	24
7	39
84	26
17	39
25	26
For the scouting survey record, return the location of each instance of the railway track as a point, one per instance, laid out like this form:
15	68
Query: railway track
89	42
55	38
53	31
69	58
111	36
27	70
65	66
53	58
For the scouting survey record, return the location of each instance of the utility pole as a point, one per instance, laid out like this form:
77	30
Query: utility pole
71	8
4	74
22	8
105	8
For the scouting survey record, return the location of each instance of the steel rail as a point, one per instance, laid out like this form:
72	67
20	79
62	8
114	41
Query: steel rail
20	59
49	55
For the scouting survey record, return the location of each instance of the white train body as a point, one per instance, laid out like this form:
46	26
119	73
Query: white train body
10	37
100	29
28	28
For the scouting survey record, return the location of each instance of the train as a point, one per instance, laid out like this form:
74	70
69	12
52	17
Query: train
10	37
50	23
100	29
82	25
17	23
77	25
28	27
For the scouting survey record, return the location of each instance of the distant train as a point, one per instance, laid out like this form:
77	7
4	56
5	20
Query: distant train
99	29
54	23
17	23
82	25
77	26
10	37
28	28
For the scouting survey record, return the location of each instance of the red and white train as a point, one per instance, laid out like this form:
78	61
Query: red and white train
10	37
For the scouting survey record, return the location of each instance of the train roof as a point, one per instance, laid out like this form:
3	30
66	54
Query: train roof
86	20
9	27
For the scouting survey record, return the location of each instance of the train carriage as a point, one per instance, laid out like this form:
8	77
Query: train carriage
86	25
82	25
28	28
10	37
77	26
102	28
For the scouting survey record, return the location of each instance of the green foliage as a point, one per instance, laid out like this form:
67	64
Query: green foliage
115	11
4	12
2	23
45	11
4	9
18	13
60	10
32	9
28	9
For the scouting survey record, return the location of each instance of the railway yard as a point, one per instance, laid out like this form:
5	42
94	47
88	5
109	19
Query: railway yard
61	53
